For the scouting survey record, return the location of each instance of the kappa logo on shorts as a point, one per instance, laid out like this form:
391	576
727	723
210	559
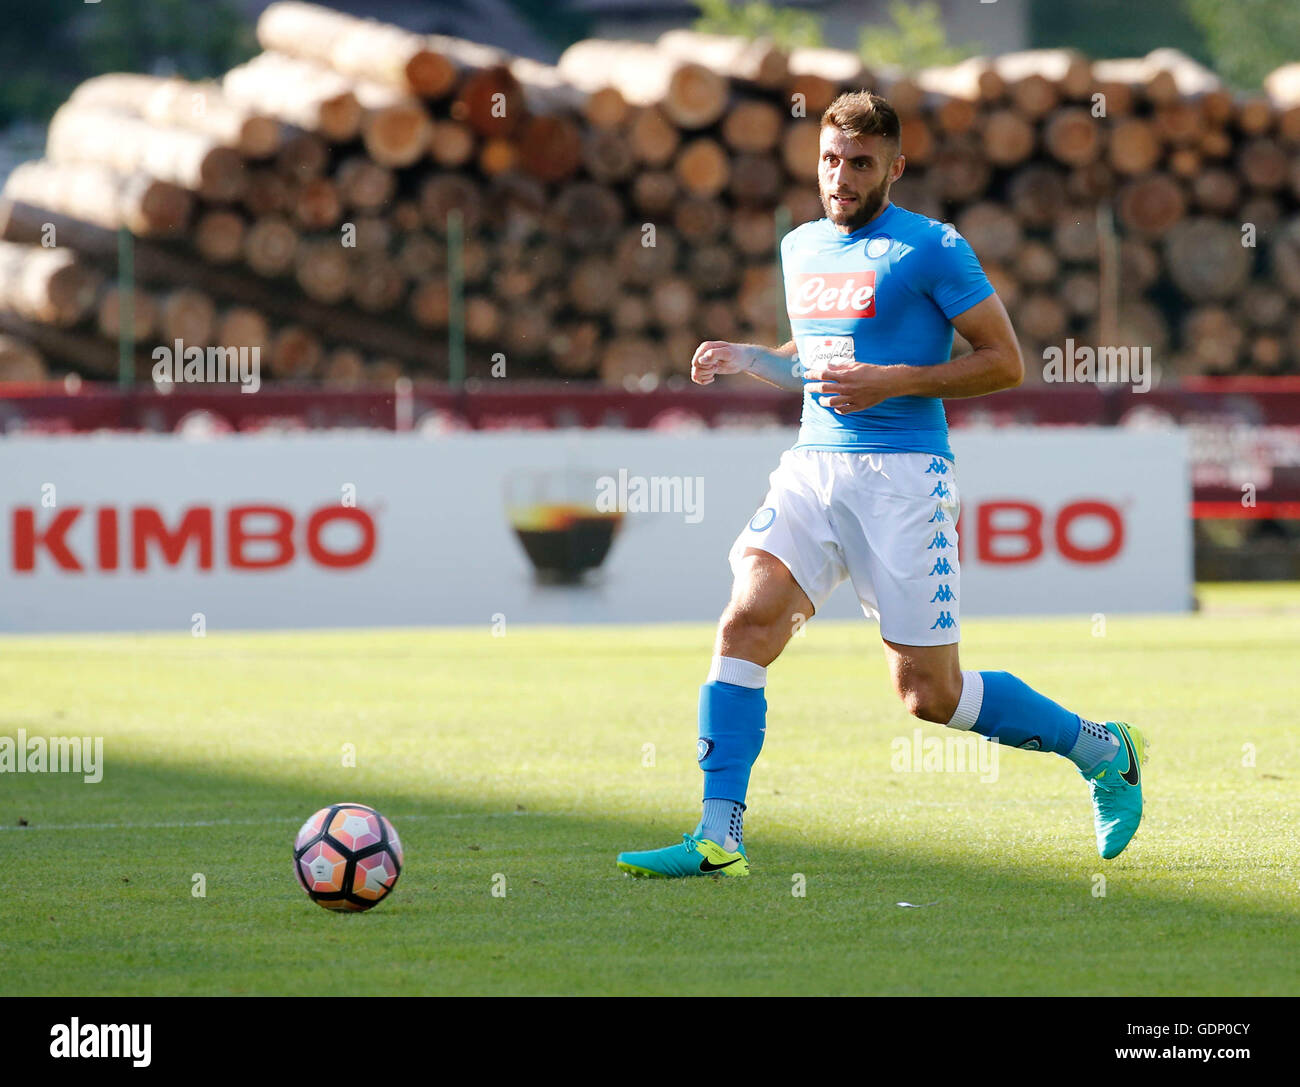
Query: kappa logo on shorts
944	622
762	520
938	515
944	594
940	490
941	566
940	541
937	466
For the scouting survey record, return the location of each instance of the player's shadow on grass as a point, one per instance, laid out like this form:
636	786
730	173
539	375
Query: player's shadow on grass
814	917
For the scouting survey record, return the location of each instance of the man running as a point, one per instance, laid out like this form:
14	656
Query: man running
868	492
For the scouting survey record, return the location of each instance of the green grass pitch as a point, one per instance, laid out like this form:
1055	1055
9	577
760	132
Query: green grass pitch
537	756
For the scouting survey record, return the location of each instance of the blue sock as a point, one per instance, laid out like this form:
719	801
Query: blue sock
1016	715
723	822
733	716
1006	709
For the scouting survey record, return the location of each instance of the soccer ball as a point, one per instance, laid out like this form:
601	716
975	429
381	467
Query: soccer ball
347	857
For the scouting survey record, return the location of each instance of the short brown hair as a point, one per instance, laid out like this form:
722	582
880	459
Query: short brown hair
861	113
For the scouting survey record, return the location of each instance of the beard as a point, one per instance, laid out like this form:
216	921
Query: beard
869	205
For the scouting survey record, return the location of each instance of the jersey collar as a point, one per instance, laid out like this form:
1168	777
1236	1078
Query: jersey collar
867	229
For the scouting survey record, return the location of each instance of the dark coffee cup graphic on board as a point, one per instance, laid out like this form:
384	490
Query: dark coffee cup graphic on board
555	518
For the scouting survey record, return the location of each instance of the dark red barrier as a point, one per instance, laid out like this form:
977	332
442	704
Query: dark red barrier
1245	431
54	406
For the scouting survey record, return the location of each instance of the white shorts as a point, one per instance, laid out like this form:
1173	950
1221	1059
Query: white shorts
886	521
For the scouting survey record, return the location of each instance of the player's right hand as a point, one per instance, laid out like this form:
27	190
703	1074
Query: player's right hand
715	357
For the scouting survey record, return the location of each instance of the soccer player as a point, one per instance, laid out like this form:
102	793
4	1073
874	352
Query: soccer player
869	492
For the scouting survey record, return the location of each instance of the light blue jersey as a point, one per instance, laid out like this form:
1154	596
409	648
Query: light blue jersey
883	294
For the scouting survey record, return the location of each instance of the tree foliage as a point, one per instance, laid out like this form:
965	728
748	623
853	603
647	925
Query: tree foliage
49	47
917	39
1247	39
787	27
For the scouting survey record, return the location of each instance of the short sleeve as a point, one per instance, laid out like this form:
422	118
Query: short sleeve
955	279
787	245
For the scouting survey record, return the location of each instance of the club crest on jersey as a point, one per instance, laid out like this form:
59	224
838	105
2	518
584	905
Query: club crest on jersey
813	296
878	247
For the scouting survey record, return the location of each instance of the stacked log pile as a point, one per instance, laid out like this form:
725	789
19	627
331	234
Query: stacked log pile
611	211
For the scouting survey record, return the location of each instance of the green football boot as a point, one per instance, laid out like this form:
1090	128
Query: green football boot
693	857
1116	788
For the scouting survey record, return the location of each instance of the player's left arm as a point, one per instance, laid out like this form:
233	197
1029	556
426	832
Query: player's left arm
993	364
948	272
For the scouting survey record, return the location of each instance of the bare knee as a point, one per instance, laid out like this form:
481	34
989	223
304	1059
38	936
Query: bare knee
753	633
766	607
931	697
927	679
